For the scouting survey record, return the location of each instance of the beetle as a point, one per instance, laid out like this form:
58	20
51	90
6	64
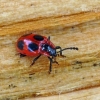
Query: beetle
37	45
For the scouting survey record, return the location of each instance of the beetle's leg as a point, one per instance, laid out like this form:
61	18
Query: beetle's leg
55	60
58	47
35	60
48	37
50	68
51	61
22	55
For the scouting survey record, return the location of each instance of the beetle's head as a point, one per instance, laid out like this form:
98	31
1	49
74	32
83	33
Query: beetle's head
48	49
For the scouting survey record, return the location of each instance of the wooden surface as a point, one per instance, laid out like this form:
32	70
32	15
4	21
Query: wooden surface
86	94
77	77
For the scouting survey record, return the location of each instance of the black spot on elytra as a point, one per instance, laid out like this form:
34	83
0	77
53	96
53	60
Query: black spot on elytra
20	45
38	37
32	47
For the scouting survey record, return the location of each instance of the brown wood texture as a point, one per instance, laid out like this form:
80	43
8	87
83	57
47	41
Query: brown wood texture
69	23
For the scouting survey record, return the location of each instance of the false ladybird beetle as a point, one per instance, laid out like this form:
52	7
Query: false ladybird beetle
37	45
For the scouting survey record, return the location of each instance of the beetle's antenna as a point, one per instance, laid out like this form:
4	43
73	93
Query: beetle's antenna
72	48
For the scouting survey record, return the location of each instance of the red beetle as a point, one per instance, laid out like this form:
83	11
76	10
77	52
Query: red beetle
37	45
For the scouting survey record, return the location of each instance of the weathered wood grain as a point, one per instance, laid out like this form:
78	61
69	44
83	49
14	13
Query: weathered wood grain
12	11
